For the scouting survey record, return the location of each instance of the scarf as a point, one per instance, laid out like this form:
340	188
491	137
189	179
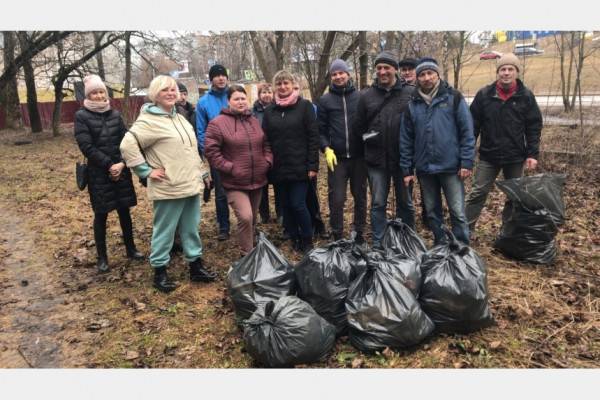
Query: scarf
429	97
97	106
506	94
287	101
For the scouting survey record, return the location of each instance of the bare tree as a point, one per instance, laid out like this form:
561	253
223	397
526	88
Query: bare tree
39	42
363	59
9	95
35	120
127	87
66	66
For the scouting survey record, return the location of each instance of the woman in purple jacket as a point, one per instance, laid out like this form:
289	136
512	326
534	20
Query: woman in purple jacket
237	147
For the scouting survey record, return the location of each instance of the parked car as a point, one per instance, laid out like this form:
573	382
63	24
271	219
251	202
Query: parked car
489	55
527	51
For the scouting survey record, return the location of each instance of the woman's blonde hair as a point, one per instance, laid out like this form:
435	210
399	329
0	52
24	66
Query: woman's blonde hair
159	83
283	75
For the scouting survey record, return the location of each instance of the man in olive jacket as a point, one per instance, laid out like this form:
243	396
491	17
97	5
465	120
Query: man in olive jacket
377	124
509	123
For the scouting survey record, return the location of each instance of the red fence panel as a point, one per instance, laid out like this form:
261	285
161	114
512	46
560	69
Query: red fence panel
68	110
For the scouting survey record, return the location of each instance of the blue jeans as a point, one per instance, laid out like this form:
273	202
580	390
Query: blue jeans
454	192
220	202
296	218
379	185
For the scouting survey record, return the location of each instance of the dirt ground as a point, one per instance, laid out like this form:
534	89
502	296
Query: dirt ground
56	311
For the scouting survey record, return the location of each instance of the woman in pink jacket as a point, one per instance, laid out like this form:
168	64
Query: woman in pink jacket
237	147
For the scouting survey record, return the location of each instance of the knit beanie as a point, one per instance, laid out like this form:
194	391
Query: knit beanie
507	59
386	57
217	70
408	62
181	87
93	82
339	65
428	63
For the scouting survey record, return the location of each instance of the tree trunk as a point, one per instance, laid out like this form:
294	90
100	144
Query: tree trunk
458	59
260	56
390	40
58	100
127	88
363	59
322	73
35	120
99	58
578	67
9	96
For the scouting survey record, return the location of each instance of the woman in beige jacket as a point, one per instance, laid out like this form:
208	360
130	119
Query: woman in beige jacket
161	146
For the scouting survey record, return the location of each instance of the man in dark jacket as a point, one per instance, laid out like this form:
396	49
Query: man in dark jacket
509	122
377	124
342	151
184	107
436	140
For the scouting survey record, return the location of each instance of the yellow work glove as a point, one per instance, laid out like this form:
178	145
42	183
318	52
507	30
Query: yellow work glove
330	158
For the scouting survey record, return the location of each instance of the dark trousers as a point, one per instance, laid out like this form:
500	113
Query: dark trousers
355	171
454	192
314	208
263	208
296	218
483	182
220	202
379	184
100	230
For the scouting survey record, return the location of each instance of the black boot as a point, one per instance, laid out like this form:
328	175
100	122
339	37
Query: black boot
306	244
127	229
102	263
133	253
100	239
199	273
162	281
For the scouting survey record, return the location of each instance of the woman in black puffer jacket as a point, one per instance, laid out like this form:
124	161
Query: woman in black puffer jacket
292	130
98	131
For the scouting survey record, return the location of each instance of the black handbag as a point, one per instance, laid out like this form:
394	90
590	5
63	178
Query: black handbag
81	174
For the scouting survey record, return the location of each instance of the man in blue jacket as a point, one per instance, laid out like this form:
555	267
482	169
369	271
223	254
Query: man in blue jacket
342	151
209	106
437	140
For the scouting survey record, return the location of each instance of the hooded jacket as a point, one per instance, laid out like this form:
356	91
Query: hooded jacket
381	151
437	138
237	146
337	110
510	130
207	108
168	142
294	137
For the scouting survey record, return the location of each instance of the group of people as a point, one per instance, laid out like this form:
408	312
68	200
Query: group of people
408	126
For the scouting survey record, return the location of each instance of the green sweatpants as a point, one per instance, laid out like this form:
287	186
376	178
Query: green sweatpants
168	215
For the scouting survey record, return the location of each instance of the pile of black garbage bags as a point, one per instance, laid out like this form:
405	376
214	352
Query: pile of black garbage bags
532	215
394	297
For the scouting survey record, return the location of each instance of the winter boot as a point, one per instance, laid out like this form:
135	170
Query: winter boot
162	281
102	264
199	273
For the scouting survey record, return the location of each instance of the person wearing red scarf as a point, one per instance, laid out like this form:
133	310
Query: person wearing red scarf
509	123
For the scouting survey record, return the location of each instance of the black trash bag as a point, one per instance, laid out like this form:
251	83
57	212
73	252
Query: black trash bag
262	275
382	311
324	276
286	333
534	211
454	293
403	239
